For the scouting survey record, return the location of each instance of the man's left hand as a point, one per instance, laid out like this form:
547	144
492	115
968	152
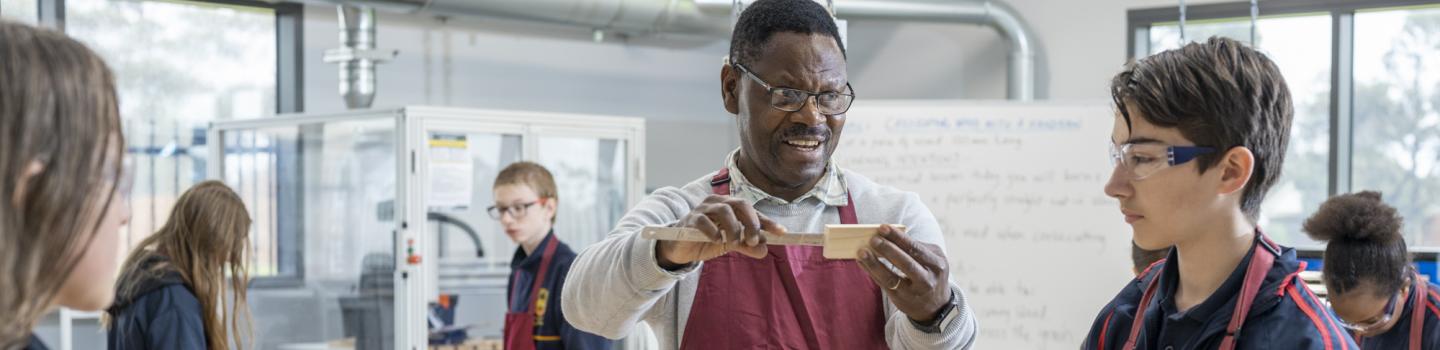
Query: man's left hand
925	286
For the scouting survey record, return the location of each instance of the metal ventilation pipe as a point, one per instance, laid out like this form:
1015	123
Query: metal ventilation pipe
712	17
1021	74
357	55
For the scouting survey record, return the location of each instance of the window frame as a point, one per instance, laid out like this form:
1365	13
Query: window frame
289	90
1342	52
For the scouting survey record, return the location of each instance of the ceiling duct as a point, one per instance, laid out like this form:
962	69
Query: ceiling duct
713	17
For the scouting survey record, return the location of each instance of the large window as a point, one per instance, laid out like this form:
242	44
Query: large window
180	65
26	11
1397	115
1377	128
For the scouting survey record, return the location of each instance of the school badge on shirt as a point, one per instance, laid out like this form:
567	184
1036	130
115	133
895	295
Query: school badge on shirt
540	301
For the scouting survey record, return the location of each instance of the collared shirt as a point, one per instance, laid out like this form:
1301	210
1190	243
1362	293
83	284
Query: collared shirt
1184	329
1285	313
830	190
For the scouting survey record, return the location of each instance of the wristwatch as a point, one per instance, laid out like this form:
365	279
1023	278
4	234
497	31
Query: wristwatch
942	319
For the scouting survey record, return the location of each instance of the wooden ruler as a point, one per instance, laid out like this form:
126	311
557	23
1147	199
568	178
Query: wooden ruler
685	234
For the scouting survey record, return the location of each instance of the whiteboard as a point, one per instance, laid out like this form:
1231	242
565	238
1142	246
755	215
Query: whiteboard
1018	190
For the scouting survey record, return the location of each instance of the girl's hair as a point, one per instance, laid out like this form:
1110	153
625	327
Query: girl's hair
1365	243
60	166
206	240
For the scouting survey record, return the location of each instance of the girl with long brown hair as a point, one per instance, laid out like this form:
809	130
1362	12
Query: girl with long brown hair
172	291
62	182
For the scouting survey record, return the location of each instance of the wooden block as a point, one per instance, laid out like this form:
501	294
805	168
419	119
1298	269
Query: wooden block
842	241
495	345
482	344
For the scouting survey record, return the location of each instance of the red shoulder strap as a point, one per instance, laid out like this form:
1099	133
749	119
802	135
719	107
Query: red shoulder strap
544	267
1417	311
1138	323
720	184
1260	264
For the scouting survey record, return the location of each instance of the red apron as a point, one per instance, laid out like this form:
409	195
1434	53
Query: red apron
1260	263
794	298
520	326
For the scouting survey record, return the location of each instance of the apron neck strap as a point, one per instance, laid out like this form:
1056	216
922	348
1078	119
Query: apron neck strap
1260	263
720	184
1417	310
1262	258
550	243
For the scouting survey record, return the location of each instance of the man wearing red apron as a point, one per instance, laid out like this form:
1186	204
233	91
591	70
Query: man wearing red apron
785	83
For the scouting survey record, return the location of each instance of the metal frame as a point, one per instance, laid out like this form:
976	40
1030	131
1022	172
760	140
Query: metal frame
52	14
1341	86
412	125
289	55
1141	19
1342	51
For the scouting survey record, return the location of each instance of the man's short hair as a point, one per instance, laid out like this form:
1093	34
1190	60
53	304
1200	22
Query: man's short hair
1219	93
763	18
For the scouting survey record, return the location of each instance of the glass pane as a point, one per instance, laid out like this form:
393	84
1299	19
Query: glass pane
252	169
1397	115
178	66
328	190
25	11
590	173
1300	46
477	282
488	154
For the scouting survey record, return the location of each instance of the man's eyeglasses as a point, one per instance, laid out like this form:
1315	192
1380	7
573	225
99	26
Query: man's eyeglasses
1144	159
516	211
790	100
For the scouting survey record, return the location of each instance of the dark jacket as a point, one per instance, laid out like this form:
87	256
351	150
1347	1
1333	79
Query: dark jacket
161	314
1398	337
1285	314
35	344
554	332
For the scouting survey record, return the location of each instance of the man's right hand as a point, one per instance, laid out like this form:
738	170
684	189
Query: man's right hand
731	224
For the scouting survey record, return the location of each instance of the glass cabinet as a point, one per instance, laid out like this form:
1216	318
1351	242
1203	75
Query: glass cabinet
364	219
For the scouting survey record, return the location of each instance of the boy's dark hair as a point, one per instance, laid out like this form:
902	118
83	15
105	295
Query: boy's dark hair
1219	93
1141	258
763	18
1365	243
